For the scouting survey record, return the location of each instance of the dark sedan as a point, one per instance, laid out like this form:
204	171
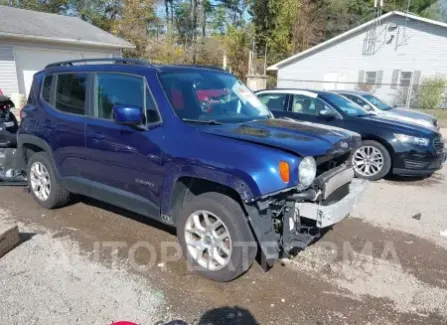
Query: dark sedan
388	146
374	105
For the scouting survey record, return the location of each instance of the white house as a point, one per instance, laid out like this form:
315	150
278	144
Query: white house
389	55
29	40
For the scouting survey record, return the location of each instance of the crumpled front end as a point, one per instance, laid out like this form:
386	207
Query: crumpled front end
290	221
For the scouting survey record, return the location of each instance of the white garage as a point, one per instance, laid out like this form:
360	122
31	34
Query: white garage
30	40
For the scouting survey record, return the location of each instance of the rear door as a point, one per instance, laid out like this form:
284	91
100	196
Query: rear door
307	106
64	97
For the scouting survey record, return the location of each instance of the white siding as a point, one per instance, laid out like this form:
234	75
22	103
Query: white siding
8	75
412	46
19	60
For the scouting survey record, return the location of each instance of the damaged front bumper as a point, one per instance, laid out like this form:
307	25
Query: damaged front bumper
330	213
289	221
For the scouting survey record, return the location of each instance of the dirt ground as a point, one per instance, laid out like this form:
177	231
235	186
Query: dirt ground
386	264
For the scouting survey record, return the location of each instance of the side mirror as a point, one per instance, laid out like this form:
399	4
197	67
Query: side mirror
128	115
328	113
367	107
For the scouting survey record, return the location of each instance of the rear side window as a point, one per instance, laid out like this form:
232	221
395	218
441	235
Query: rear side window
71	93
46	88
355	99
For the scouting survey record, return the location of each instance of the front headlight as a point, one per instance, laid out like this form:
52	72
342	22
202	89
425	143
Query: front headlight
307	171
413	140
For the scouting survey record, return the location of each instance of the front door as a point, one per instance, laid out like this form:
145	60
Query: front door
306	107
125	161
276	102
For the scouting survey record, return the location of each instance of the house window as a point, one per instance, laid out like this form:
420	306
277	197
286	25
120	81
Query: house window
371	77
405	78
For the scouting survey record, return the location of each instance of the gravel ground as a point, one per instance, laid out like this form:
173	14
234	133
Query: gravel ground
48	280
384	265
396	203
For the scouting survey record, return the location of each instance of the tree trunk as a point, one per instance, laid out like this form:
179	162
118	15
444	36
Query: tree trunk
194	30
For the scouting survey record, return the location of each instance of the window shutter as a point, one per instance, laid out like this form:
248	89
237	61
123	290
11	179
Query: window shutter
395	79
361	76
379	79
416	78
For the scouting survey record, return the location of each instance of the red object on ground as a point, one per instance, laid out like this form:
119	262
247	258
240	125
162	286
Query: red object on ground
123	323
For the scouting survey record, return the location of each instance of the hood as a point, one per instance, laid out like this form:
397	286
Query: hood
413	113
395	124
301	138
412	117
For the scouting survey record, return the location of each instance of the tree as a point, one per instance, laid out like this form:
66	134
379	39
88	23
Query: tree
133	24
238	42
51	6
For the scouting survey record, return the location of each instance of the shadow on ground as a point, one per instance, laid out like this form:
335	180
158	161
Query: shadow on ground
221	316
122	212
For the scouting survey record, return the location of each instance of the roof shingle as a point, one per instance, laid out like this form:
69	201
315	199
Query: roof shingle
27	24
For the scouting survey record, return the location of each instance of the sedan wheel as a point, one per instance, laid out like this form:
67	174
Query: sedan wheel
368	161
208	240
40	181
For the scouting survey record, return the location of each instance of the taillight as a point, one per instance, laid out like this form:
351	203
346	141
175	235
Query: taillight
22	114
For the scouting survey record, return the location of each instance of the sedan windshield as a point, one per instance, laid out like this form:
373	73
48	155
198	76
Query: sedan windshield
344	105
377	102
211	96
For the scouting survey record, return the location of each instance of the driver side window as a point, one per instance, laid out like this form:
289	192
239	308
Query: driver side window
308	105
356	100
274	102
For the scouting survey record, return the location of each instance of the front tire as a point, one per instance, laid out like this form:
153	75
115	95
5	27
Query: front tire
371	161
43	184
215	236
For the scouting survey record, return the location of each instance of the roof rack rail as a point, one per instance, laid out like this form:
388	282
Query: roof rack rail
86	61
211	67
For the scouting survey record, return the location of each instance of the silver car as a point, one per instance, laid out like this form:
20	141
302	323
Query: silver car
376	106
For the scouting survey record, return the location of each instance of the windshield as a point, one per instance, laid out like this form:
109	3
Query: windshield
211	96
377	102
345	105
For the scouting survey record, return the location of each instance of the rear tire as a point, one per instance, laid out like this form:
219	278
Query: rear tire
203	241
371	161
45	188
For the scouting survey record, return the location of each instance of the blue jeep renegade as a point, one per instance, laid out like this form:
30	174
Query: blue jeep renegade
191	147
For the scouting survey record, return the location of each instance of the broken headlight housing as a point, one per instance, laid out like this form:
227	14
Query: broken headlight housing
307	171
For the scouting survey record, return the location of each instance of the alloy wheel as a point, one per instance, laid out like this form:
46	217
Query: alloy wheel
40	181
368	161
208	240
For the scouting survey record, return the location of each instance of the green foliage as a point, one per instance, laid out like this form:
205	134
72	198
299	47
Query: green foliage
202	31
238	42
431	92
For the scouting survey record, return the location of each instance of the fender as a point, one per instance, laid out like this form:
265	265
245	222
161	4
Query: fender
247	189
23	139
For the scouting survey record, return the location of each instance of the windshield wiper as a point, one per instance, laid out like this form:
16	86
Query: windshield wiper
210	122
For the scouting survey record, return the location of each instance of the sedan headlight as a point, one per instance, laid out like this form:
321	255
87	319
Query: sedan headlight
413	140
307	171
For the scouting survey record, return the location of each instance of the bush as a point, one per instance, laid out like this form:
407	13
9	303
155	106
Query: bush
431	92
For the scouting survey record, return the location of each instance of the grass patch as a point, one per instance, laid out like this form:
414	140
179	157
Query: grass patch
440	114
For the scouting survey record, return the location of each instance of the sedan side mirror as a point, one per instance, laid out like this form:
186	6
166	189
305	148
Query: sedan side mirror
128	115
367	107
328	113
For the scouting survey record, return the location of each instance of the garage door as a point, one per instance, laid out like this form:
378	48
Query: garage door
29	61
